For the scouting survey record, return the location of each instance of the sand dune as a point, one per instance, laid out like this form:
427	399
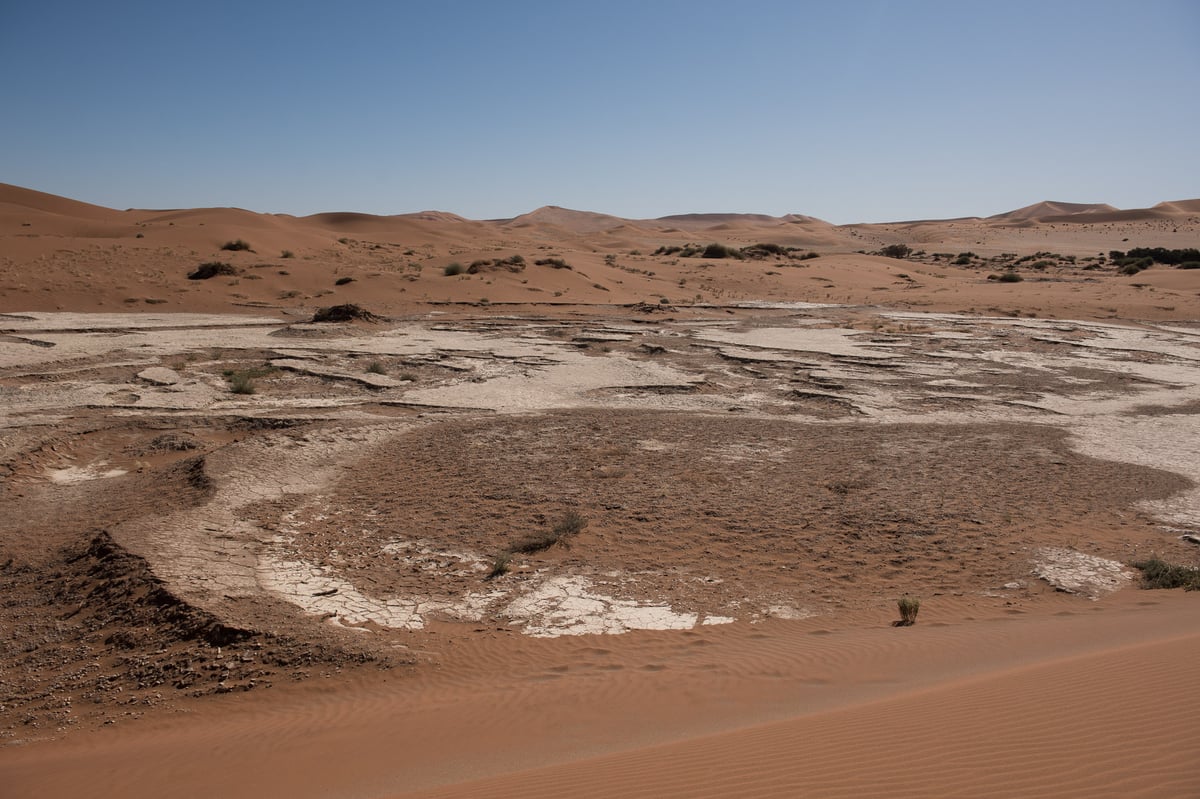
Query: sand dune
1049	208
1081	704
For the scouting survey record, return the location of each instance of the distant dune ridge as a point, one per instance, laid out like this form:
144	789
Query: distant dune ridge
62	254
15	198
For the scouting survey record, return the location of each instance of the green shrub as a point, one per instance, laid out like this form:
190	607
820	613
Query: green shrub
1157	573
715	250
896	251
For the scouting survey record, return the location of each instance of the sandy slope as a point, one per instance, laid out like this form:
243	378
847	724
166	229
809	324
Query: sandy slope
283	593
58	254
1085	702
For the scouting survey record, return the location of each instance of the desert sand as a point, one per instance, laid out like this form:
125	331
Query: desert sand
631	521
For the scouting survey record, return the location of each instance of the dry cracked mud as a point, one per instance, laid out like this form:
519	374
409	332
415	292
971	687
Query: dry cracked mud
779	461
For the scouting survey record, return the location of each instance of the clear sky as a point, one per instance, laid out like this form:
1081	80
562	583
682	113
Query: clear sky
851	111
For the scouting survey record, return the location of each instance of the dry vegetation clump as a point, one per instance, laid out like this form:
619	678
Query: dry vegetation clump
909	606
347	312
900	251
569	526
559	263
1157	573
239	245
212	269
513	263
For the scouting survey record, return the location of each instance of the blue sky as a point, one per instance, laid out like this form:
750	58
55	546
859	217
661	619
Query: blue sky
857	111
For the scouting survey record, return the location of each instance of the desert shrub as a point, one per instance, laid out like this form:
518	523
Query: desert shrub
570	525
344	313
896	251
1160	255
287	254
556	263
665	250
499	566
241	383
1131	266
341	281
1042	264
212	269
715	250
237	245
376	368
909	606
514	263
1189	265
1009	277
454	269
1157	573
808	256
763	250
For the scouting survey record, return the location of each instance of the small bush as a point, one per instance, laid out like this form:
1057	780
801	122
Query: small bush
212	269
287	254
344	313
896	251
1189	265
376	368
555	263
1010	277
341	281
237	246
499	566
454	269
715	250
1157	573
241	383
909	606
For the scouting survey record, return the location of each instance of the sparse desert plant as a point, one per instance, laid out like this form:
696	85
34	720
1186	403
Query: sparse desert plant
341	281
556	263
287	254
242	383
909	606
376	368
500	566
896	251
1157	573
570	525
237	245
1009	277
212	269
454	269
